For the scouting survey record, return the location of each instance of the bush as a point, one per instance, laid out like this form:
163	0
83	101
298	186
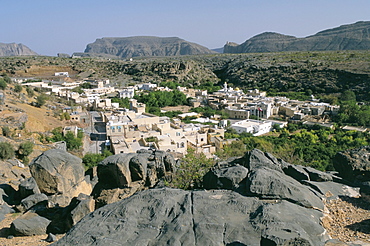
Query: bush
25	148
30	91
41	100
191	171
6	151
6	131
91	160
17	88
2	84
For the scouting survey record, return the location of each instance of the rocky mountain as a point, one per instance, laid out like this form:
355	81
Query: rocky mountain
346	37
14	49
145	46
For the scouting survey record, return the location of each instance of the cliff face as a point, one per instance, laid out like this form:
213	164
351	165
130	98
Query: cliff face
145	46
14	49
347	37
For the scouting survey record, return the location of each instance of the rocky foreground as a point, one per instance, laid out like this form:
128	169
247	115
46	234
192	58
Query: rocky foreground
251	200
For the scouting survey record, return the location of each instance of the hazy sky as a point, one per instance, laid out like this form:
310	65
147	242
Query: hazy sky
65	26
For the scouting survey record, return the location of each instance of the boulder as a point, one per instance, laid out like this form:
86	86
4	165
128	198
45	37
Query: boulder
31	201
28	187
353	165
107	196
316	175
365	190
4	210
29	224
332	190
81	206
296	171
178	217
271	184
122	175
256	158
8	195
59	173
114	171
228	178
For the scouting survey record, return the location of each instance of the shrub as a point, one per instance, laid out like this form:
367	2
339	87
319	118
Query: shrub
25	148
191	171
17	88
6	151
6	131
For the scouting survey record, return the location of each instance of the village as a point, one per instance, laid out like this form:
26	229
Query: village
127	130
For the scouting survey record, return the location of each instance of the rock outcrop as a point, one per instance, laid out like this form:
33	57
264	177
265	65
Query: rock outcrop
346	37
121	175
178	217
249	201
255	199
60	174
144	46
354	165
14	49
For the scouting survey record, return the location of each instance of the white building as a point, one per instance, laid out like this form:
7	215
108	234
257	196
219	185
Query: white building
127	92
252	126
61	74
147	86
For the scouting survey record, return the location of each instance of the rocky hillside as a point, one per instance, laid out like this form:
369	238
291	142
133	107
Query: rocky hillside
323	72
347	37
14	49
145	46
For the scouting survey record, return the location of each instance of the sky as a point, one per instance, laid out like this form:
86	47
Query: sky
49	27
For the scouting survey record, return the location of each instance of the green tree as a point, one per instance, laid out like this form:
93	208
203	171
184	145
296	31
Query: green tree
72	142
41	100
25	148
57	135
17	88
191	170
6	151
348	96
6	78
30	91
91	160
3	84
6	131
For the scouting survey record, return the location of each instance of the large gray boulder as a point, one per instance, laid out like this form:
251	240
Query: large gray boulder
271	184
29	224
31	201
353	165
28	187
122	175
178	217
256	158
81	206
58	173
226	178
115	171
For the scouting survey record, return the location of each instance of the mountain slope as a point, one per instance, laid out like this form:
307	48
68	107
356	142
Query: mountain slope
14	49
346	37
145	46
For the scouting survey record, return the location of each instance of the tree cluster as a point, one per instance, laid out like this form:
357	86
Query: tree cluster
297	144
73	142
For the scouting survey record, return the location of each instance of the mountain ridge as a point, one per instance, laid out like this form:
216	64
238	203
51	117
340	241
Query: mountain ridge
145	46
354	36
13	49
